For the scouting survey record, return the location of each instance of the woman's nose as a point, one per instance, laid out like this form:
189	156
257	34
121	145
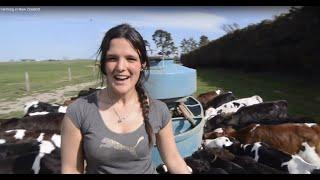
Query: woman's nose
121	64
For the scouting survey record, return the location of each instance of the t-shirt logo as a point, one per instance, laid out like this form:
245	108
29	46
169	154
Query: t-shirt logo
110	143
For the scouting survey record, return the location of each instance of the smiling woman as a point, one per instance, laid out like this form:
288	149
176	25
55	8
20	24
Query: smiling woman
121	56
114	129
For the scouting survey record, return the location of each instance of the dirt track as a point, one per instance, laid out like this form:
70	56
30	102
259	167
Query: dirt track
57	96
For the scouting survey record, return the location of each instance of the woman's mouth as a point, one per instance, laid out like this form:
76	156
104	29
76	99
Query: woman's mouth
121	77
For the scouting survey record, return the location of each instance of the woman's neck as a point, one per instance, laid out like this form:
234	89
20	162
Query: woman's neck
122	99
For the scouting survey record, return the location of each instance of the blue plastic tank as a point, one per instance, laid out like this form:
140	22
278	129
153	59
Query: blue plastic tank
188	139
174	83
169	80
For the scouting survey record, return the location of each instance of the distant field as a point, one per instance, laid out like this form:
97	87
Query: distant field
43	76
302	94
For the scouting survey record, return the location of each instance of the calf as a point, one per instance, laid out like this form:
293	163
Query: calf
13	149
202	167
275	158
231	107
81	94
47	122
221	99
211	156
206	97
294	138
89	91
45	160
210	113
215	122
40	108
51	163
219	142
226	146
21	135
257	112
3	121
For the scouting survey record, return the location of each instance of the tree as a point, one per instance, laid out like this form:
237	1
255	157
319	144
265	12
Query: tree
163	40
148	46
204	40
188	45
229	28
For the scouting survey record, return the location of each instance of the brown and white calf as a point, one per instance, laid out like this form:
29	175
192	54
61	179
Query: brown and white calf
260	152
206	97
301	139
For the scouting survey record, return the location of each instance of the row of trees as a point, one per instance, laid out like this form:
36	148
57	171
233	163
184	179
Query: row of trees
290	42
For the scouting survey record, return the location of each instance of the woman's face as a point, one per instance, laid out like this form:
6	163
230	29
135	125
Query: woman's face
123	66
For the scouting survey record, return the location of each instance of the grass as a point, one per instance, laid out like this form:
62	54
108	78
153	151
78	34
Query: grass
43	76
302	94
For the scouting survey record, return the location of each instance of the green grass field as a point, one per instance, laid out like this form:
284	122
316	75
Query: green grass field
43	76
302	95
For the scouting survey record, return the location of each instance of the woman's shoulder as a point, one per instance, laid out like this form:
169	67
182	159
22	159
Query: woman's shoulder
157	104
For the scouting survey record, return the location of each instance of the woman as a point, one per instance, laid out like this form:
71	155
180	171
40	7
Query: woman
114	129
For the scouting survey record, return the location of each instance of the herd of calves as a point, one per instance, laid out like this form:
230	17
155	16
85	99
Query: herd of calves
241	136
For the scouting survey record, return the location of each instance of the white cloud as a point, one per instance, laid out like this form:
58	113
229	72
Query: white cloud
190	20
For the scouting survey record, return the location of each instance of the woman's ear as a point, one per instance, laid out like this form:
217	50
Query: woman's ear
143	66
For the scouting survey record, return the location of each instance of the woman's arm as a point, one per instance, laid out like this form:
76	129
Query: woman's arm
169	151
72	161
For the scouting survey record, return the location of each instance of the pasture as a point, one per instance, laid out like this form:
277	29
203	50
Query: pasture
301	93
47	76
44	77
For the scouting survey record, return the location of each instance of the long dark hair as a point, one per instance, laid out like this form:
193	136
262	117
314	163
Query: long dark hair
134	37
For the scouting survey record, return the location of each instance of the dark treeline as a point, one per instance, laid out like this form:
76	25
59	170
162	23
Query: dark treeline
288	43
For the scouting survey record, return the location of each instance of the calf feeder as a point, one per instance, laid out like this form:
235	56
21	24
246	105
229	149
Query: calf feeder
174	84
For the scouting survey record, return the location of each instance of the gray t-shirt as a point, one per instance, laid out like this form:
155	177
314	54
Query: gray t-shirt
108	152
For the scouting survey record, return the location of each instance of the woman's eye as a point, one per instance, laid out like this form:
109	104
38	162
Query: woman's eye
131	59
111	59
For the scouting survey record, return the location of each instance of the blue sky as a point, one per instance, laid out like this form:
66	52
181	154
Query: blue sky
76	32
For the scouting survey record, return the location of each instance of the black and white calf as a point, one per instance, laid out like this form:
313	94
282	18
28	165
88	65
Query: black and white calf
40	108
47	122
40	157
221	99
233	106
263	113
258	113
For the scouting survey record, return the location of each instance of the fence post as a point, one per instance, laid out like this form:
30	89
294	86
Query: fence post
26	77
69	73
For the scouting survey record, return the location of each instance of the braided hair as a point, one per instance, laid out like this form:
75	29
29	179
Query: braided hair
135	38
